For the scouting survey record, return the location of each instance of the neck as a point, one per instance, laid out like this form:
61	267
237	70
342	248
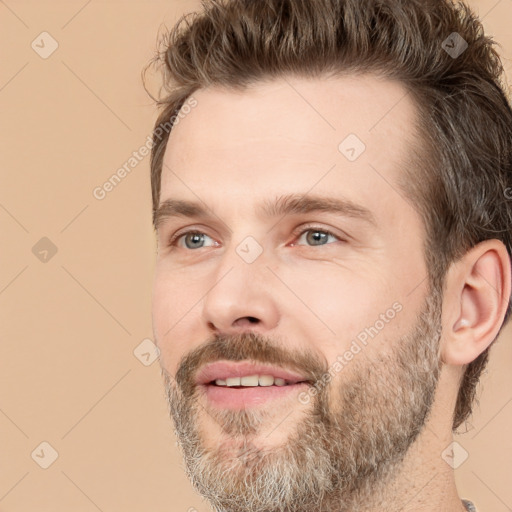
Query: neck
424	483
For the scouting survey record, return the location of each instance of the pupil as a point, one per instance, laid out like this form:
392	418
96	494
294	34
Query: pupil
194	238
313	238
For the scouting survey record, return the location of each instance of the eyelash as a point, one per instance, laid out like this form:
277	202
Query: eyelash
297	234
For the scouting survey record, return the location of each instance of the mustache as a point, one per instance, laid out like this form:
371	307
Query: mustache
250	346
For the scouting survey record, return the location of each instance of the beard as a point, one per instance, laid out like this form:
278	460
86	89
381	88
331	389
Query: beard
348	443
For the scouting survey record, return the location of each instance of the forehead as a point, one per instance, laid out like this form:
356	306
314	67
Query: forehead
291	135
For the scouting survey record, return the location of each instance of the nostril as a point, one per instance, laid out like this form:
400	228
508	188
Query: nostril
246	321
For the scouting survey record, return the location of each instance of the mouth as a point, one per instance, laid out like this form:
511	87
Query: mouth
254	381
240	385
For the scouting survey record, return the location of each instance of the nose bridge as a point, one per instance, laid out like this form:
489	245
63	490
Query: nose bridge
243	255
239	289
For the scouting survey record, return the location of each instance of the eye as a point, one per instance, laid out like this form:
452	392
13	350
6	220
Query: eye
191	239
317	236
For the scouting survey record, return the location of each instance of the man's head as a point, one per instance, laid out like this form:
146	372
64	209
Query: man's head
364	123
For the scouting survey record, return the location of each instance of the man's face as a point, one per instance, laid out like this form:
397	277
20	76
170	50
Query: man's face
338	298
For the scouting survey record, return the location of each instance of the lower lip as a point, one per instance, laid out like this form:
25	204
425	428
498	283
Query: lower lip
240	398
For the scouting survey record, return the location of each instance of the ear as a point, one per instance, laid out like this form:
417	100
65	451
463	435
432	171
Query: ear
475	301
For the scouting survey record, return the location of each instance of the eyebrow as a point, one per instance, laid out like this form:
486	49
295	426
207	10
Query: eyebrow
278	207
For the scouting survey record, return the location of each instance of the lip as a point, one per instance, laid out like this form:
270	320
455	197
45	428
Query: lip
223	397
226	369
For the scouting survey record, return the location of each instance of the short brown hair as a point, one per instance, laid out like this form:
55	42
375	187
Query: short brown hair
462	164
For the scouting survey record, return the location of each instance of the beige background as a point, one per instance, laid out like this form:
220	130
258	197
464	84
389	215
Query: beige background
69	326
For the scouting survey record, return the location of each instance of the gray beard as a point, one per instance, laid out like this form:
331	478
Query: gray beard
335	458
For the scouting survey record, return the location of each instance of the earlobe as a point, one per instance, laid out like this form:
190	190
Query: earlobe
477	294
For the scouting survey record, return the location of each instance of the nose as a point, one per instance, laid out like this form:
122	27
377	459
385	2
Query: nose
241	297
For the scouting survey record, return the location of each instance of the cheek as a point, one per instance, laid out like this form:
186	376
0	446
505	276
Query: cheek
342	299
174	293
343	309
173	310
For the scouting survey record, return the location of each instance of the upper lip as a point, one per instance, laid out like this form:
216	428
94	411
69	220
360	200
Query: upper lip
226	369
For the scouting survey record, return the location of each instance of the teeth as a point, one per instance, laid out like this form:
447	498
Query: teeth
266	380
251	380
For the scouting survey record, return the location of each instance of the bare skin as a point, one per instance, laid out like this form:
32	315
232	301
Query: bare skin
231	153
